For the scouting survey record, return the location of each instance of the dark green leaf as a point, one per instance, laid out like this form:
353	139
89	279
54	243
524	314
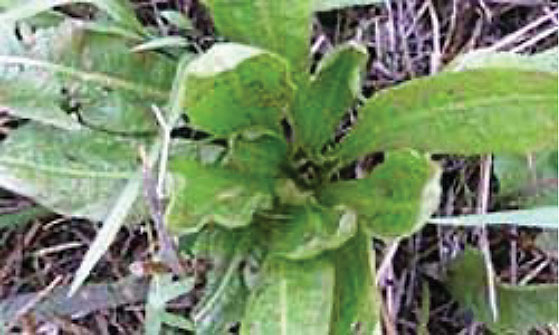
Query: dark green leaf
23	216
210	194
72	173
261	154
470	112
328	96
291	298
356	306
234	87
283	27
396	199
71	69
307	231
520	307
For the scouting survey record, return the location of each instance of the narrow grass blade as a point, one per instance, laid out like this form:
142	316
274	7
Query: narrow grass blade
111	225
542	217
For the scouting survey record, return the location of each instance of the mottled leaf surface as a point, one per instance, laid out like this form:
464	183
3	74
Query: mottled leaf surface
283	27
469	112
234	87
73	173
204	194
120	11
310	230
68	69
262	154
396	199
520	307
293	298
327	96
356	305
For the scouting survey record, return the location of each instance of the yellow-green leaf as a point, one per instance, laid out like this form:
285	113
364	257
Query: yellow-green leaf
293	298
235	87
396	199
357	305
309	230
204	194
327	96
469	112
283	27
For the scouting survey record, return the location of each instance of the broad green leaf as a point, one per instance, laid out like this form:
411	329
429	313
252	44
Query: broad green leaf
545	61
283	27
327	5
234	87
469	112
28	97
327	96
520	307
308	231
526	181
396	199
72	69
225	292
263	154
541	217
119	10
52	167
210	194
162	290
357	305
292	298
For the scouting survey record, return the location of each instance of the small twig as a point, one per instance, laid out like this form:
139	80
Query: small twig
167	248
435	25
388	321
533	274
387	262
483	201
535	39
166	130
513	37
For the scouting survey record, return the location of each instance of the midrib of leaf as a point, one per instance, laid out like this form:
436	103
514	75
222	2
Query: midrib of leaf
283	305
66	172
96	77
425	115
